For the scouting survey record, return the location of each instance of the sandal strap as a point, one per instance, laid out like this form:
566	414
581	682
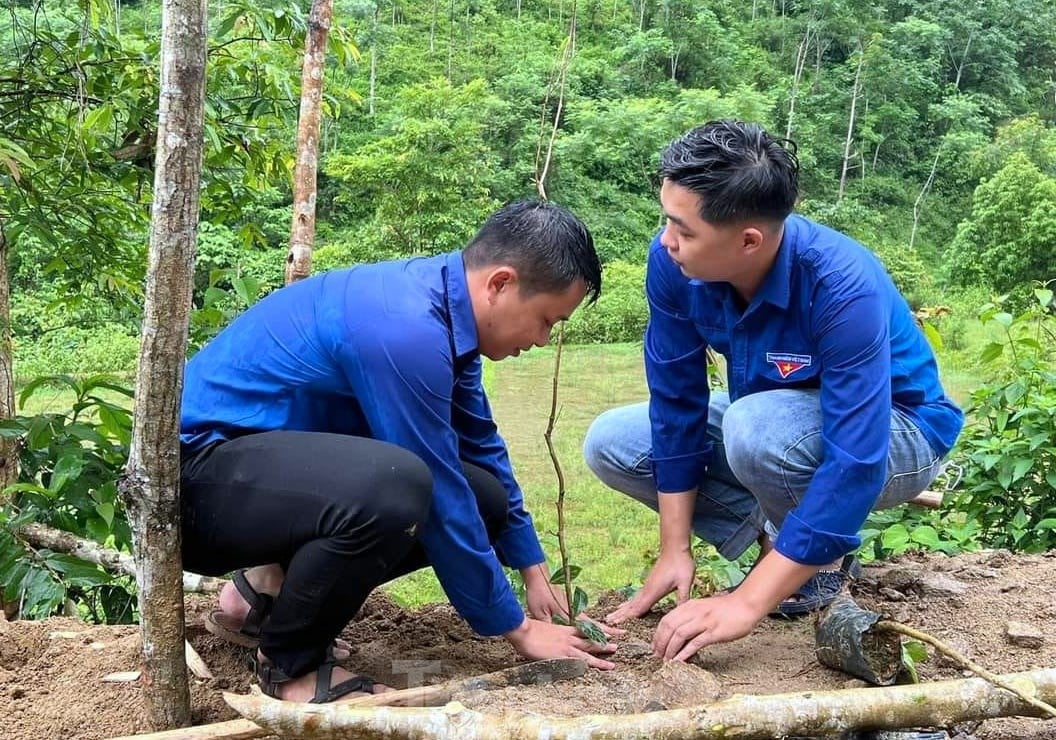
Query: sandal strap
269	676
259	605
326	692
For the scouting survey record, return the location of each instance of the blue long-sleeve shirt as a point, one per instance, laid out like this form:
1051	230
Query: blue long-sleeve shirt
387	351
826	316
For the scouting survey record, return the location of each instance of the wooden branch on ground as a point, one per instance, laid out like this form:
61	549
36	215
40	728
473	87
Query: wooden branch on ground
899	628
40	535
535	673
810	713
928	499
236	729
195	662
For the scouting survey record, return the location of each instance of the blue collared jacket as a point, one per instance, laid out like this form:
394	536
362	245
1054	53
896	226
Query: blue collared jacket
387	351
827	316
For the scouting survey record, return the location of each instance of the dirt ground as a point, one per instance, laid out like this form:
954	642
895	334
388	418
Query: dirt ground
51	672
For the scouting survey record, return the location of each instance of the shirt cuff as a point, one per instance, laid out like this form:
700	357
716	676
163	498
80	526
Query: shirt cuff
806	545
683	473
518	547
497	620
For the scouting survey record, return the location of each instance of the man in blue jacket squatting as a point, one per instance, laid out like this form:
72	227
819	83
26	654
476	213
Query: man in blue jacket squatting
834	405
337	435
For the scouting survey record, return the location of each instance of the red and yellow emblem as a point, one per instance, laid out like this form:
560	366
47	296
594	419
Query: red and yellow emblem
787	363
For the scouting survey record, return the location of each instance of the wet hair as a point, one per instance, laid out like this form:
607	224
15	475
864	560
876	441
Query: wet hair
548	246
739	171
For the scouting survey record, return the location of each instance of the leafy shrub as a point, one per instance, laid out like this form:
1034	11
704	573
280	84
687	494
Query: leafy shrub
621	312
73	350
69	465
1009	447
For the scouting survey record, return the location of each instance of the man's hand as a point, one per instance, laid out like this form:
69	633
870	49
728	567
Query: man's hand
543	598
539	640
546	600
700	622
673	571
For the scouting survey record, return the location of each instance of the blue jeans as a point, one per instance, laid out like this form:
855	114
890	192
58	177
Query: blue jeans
767	447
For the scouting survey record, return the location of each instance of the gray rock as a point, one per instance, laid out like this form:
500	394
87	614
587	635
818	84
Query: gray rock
940	584
1024	635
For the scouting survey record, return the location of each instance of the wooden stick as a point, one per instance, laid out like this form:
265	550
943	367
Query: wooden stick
195	662
40	535
942	647
236	729
928	499
810	713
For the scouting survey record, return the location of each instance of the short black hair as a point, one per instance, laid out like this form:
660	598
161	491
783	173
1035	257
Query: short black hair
738	170
549	247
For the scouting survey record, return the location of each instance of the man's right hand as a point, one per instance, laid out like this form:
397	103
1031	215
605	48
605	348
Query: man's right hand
673	571
539	640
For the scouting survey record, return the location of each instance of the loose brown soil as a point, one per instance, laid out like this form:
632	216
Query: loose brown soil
51	672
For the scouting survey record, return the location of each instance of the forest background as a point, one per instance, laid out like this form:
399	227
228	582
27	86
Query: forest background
925	130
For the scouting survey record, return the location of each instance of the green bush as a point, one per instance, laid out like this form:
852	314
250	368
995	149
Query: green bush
73	350
1008	449
69	465
621	312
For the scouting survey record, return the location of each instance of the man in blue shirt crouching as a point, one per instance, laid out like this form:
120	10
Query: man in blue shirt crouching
834	405
337	435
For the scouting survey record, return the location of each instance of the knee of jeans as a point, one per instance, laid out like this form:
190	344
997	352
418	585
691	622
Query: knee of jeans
744	441
599	449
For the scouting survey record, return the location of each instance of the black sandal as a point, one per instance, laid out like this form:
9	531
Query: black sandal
247	633
270	677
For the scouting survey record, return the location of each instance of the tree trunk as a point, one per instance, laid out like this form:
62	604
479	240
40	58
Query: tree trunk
848	142
432	26
302	235
8	447
801	61
150	488
811	714
918	204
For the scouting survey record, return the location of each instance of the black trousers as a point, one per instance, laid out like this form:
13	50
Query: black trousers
340	514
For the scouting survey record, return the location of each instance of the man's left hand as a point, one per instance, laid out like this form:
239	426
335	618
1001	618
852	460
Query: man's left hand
701	622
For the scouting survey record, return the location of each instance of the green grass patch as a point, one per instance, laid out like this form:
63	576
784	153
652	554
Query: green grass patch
608	534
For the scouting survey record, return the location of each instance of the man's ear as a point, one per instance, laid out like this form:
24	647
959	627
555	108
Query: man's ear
500	279
751	239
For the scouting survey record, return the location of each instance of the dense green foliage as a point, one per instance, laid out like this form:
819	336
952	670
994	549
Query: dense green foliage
1009	448
435	114
69	467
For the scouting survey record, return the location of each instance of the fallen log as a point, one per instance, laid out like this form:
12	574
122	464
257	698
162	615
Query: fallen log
40	535
811	713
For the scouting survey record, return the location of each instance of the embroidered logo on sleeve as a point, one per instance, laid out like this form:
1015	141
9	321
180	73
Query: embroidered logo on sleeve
787	364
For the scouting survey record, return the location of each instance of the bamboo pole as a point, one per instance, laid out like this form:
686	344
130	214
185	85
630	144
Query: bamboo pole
745	717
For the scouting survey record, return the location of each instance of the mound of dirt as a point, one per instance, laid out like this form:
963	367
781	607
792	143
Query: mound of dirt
52	672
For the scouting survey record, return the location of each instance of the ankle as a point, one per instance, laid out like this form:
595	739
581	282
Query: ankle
266	579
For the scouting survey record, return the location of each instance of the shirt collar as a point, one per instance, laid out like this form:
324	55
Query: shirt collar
777	286
459	305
